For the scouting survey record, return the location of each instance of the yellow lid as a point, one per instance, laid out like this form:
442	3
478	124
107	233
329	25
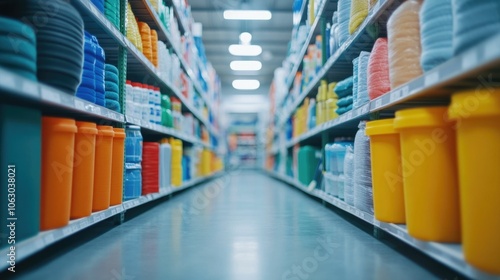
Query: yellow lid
422	117
378	127
475	103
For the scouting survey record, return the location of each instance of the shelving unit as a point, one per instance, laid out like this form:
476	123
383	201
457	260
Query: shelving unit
448	254
44	239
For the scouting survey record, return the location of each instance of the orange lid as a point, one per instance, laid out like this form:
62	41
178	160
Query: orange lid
60	124
119	132
86	127
106	130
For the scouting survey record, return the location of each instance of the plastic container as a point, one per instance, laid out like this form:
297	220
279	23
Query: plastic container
83	170
116	196
58	140
150	168
132	186
387	178
165	165
428	152
20	146
478	135
133	144
363	192
102	168
307	164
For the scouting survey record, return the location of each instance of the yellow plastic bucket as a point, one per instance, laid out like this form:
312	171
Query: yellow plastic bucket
428	152
388	195
478	141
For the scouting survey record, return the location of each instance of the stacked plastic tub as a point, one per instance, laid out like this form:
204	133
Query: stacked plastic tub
112	11
59	42
133	158
18	48
112	88
363	193
344	90
86	89
436	28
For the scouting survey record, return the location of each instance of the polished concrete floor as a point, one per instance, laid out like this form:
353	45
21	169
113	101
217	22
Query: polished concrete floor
240	226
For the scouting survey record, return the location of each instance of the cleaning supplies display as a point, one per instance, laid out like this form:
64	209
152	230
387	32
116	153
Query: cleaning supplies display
118	158
363	193
436	32
428	152
308	159
144	102
388	195
474	22
478	153
58	139
21	149
132	187
150	167
112	88
59	42
378	70
102	168
404	47
18	48
83	170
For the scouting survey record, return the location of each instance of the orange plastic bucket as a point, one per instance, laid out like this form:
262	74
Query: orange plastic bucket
102	168
478	140
116	196
387	178
83	170
58	139
428	150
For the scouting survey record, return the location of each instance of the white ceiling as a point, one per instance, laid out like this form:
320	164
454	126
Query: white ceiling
273	36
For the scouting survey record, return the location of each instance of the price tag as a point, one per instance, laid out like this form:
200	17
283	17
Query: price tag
405	91
67	231
395	95
84	223
50	95
79	104
349	115
469	60
431	78
376	222
401	234
48	239
74	227
378	103
491	50
29	88
96	110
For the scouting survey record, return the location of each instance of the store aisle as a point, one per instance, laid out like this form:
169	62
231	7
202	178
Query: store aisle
243	226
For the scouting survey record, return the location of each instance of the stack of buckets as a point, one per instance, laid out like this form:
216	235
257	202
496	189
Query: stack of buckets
176	173
436	169
82	169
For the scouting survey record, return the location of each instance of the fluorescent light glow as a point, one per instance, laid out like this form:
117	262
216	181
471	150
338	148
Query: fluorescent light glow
245	38
247	14
245	50
246	84
245	65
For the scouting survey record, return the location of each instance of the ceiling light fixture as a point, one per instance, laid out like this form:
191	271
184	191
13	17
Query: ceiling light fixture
247	15
245	65
246	84
245	38
245	50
